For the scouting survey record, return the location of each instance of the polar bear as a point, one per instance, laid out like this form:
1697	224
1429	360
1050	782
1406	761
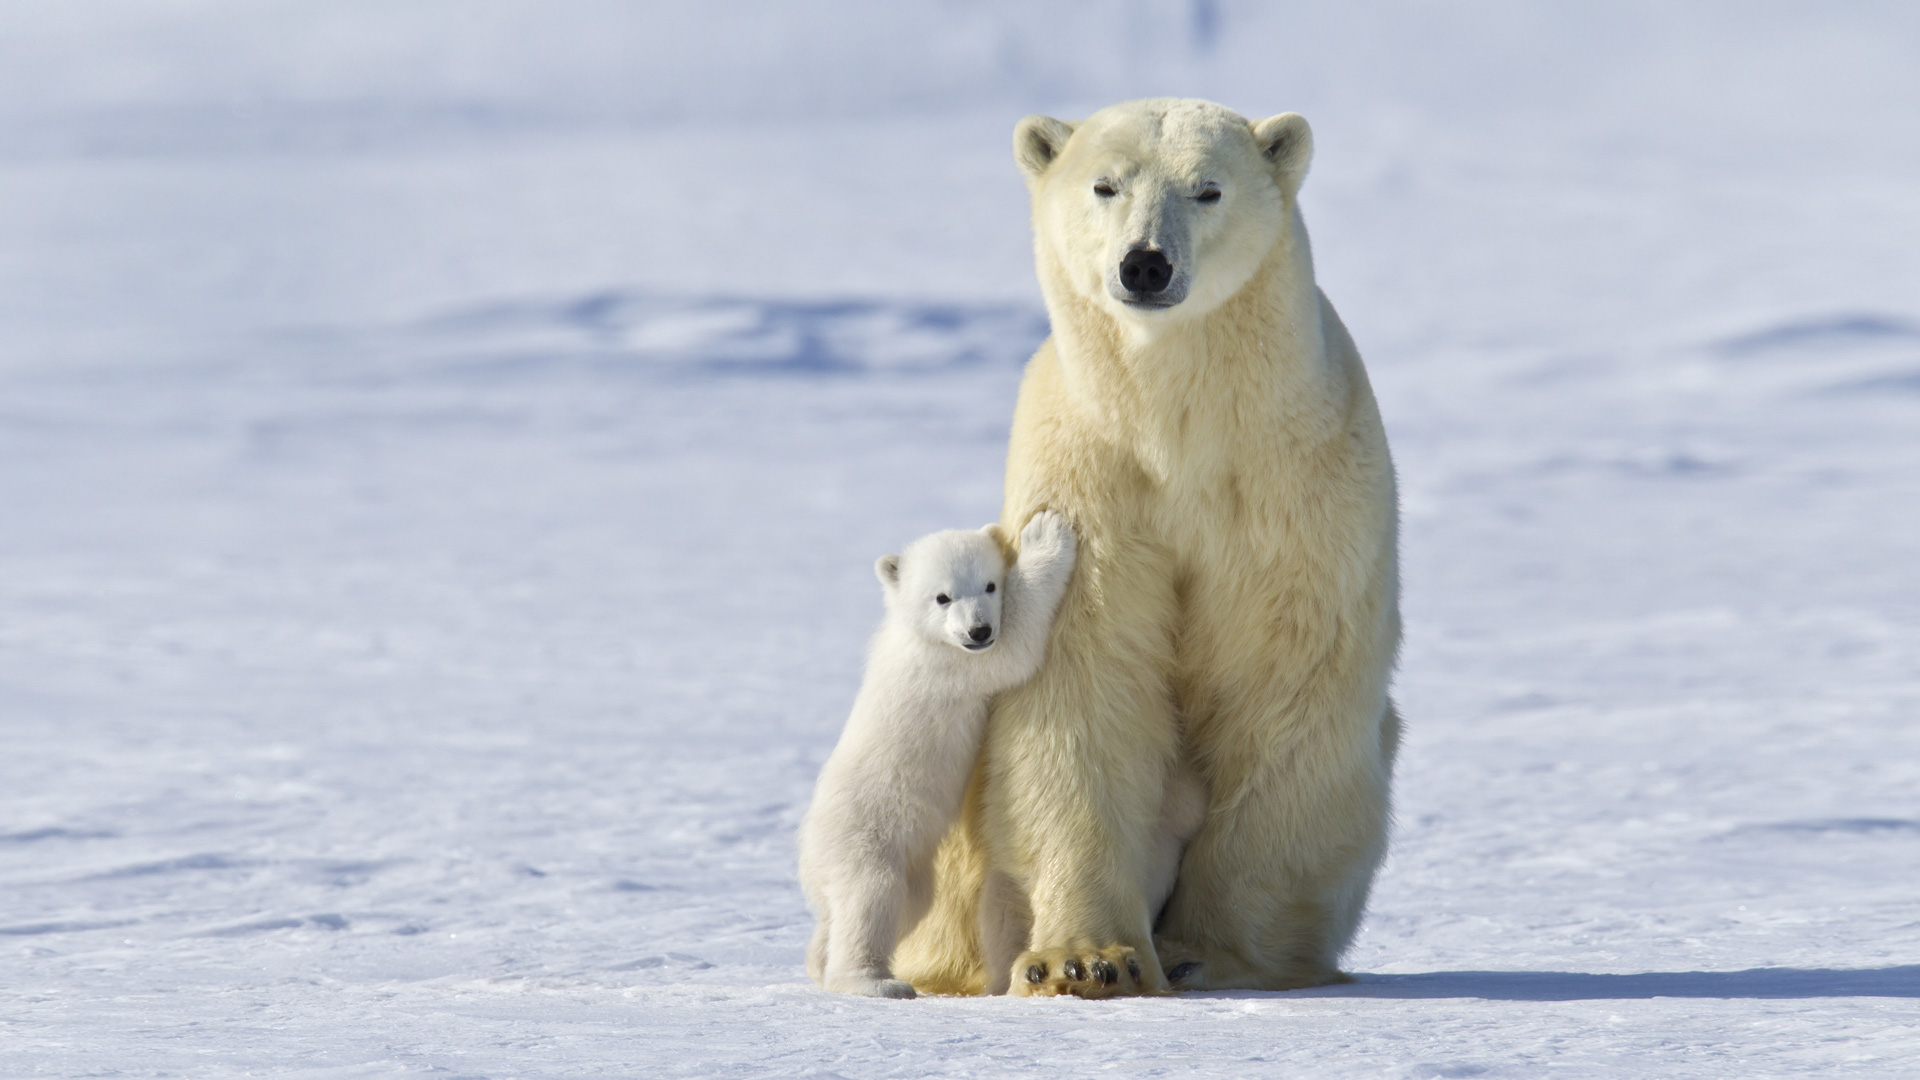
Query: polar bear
960	626
1202	417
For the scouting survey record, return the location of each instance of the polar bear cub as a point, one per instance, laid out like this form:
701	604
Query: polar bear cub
961	626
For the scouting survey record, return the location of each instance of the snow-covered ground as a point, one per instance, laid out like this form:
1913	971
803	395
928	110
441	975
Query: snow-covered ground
442	447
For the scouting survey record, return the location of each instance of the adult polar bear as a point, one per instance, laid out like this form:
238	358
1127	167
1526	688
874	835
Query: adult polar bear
1202	418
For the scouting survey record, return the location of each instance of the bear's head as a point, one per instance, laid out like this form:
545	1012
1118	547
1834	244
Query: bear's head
948	586
1160	210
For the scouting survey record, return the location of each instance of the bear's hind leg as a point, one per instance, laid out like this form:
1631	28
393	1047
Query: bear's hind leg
1272	890
1003	930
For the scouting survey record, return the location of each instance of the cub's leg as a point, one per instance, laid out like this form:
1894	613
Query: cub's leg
817	949
865	923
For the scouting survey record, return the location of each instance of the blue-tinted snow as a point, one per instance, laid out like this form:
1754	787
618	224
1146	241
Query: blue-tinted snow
442	446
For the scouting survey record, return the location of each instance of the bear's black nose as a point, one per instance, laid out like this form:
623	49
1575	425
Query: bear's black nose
980	633
1145	271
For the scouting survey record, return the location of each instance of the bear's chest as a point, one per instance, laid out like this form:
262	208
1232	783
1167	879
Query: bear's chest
1264	538
1237	508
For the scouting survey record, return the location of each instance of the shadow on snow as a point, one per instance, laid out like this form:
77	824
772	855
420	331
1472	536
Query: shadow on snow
1898	982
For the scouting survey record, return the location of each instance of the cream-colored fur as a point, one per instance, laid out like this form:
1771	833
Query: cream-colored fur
1234	615
960	627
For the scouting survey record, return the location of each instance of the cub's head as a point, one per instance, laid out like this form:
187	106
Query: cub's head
1161	209
948	586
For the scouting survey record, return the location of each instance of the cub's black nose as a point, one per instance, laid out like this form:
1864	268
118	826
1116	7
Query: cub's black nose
1145	271
980	633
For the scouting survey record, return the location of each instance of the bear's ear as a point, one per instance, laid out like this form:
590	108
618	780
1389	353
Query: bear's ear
1287	143
1037	141
887	569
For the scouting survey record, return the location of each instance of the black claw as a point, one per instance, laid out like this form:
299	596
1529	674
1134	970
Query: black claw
1036	973
1181	971
1133	968
1074	970
1106	972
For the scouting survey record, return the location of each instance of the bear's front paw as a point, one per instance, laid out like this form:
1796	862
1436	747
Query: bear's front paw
1108	971
1047	533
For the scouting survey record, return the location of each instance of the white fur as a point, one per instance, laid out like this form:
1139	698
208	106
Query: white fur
1231	627
894	784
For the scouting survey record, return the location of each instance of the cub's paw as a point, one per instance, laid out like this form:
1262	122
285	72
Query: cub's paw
1047	533
891	988
879	988
1109	971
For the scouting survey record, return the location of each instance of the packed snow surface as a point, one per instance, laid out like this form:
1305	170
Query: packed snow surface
442	448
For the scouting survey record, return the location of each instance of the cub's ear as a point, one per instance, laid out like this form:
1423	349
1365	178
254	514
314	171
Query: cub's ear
887	569
1287	143
1000	539
1037	141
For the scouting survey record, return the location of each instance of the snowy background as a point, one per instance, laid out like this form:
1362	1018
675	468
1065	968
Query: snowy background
442	447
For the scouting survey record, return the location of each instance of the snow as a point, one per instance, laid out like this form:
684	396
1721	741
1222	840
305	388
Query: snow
442	448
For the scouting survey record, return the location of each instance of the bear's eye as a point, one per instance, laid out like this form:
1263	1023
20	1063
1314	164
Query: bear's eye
989	586
1210	195
1103	189
943	599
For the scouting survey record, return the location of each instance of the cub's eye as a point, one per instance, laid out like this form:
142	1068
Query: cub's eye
1103	189
943	598
989	586
1210	195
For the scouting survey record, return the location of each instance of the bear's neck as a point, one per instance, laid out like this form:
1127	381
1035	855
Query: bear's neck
1253	375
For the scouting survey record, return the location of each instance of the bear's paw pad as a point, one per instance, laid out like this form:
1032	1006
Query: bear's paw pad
1110	971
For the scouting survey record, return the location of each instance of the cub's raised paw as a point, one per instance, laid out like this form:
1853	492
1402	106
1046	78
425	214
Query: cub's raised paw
1047	532
1109	971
